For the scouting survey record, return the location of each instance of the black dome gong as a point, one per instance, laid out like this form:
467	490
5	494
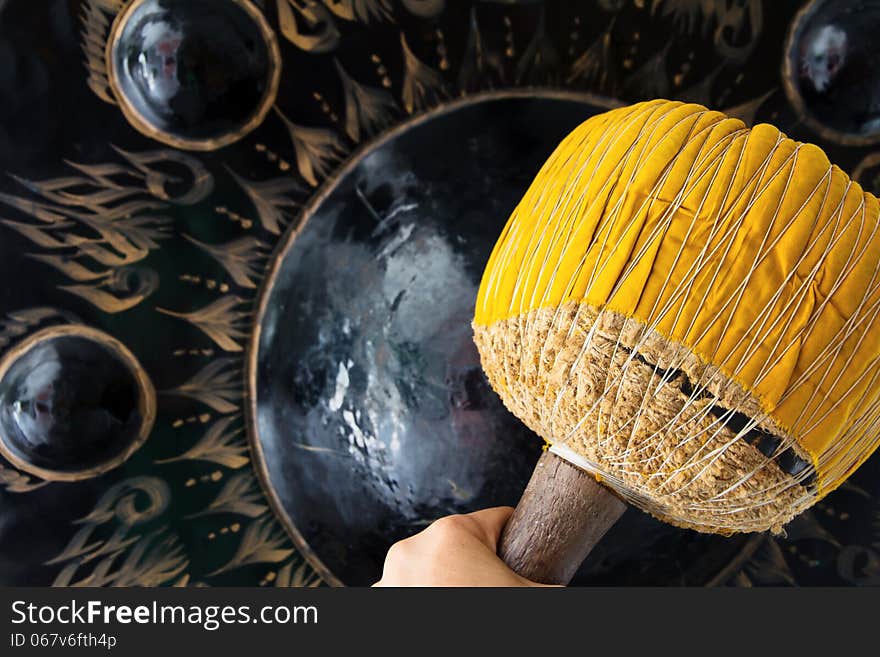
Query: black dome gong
194	74
370	415
73	402
831	70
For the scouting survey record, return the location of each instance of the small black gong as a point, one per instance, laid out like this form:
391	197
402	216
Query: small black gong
74	402
831	70
194	74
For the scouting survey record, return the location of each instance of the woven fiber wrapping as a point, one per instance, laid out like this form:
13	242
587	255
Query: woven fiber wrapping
692	306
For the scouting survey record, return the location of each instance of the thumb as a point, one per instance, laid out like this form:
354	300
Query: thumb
490	523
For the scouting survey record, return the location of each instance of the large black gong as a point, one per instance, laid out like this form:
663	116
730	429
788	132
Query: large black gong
371	414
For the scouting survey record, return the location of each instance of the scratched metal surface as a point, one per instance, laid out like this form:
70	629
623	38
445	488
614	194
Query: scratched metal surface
172	252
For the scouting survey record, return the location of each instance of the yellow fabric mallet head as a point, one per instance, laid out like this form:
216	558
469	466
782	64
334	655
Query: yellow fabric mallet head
687	310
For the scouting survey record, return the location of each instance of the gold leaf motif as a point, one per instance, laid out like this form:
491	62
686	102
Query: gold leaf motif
15	482
125	501
142	232
130	254
742	580
68	266
95	18
45	237
367	109
127	504
42	212
739	26
690	15
422	86
217	385
317	149
270	198
701	92
103	190
650	79
80	547
364	11
103	300
595	66
200	181
18	323
315	30
263	542
238	258
746	111
150	562
539	63
239	495
480	69
301	577
122	290
219	445
105	216
220	321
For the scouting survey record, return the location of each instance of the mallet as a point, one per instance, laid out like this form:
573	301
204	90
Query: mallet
686	310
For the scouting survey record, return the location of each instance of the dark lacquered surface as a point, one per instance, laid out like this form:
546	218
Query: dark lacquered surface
837	65
187	503
373	413
195	69
68	404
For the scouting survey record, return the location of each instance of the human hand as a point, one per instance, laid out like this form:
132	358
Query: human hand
453	551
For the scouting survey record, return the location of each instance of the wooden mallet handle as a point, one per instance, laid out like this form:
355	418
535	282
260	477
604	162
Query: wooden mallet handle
563	513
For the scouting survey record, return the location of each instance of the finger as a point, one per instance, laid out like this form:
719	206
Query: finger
491	523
